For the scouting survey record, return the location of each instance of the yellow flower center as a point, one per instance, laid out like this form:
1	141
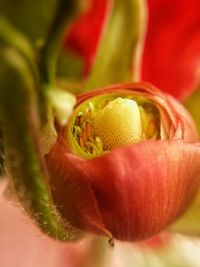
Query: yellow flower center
111	121
118	123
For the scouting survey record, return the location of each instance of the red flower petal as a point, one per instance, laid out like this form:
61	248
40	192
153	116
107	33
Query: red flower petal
140	189
72	192
84	34
172	57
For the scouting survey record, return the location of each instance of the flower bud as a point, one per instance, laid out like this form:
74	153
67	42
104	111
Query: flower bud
120	166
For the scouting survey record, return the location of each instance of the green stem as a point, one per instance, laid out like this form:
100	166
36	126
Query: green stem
49	56
119	53
24	160
9	36
50	51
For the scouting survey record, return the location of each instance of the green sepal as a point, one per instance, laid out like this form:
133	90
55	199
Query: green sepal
192	104
119	52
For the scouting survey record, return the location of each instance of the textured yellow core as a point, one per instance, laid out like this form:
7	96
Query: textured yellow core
118	123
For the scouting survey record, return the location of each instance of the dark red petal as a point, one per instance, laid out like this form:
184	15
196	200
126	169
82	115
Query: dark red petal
172	57
142	188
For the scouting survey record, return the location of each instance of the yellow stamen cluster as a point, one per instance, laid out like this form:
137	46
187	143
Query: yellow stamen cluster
107	123
83	130
118	123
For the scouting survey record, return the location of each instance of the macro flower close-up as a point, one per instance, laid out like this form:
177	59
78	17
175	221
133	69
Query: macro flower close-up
99	133
102	156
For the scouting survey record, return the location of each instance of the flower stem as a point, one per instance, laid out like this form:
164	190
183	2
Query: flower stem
50	51
118	57
49	55
24	160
